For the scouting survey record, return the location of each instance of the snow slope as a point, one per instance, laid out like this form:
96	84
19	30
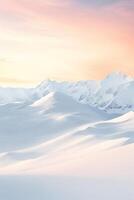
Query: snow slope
43	119
64	140
64	188
56	133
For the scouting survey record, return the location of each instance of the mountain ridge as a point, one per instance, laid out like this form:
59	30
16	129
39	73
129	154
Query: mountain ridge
112	94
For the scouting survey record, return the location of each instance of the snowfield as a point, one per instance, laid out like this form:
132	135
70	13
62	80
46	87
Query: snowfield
68	141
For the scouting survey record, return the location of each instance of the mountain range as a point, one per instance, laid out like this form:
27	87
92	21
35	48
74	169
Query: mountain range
57	117
68	140
112	95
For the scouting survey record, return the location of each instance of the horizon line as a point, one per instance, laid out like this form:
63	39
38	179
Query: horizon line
19	83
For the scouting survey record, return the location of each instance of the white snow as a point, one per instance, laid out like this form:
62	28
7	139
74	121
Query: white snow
113	94
59	141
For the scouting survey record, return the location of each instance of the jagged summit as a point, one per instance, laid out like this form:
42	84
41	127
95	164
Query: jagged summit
117	74
115	79
113	94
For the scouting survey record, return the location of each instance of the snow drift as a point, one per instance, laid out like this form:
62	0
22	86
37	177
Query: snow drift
59	131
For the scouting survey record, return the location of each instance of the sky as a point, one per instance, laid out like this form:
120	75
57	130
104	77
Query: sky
65	39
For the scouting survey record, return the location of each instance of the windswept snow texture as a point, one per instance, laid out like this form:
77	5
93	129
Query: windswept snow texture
68	141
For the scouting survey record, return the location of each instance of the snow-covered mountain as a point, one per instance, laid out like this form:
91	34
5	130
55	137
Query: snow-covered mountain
58	131
113	94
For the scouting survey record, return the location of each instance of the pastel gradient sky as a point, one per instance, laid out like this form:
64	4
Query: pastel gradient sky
65	39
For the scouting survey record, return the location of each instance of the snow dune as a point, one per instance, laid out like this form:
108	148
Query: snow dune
57	133
55	145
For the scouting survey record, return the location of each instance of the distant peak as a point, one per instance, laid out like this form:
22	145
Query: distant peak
115	79
45	82
117	75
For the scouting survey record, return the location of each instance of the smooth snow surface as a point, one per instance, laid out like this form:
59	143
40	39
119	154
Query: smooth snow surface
55	145
64	188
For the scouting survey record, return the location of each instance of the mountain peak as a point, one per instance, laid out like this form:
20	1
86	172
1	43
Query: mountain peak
114	92
114	80
118	75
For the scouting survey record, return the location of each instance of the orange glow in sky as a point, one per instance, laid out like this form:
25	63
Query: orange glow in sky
65	39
